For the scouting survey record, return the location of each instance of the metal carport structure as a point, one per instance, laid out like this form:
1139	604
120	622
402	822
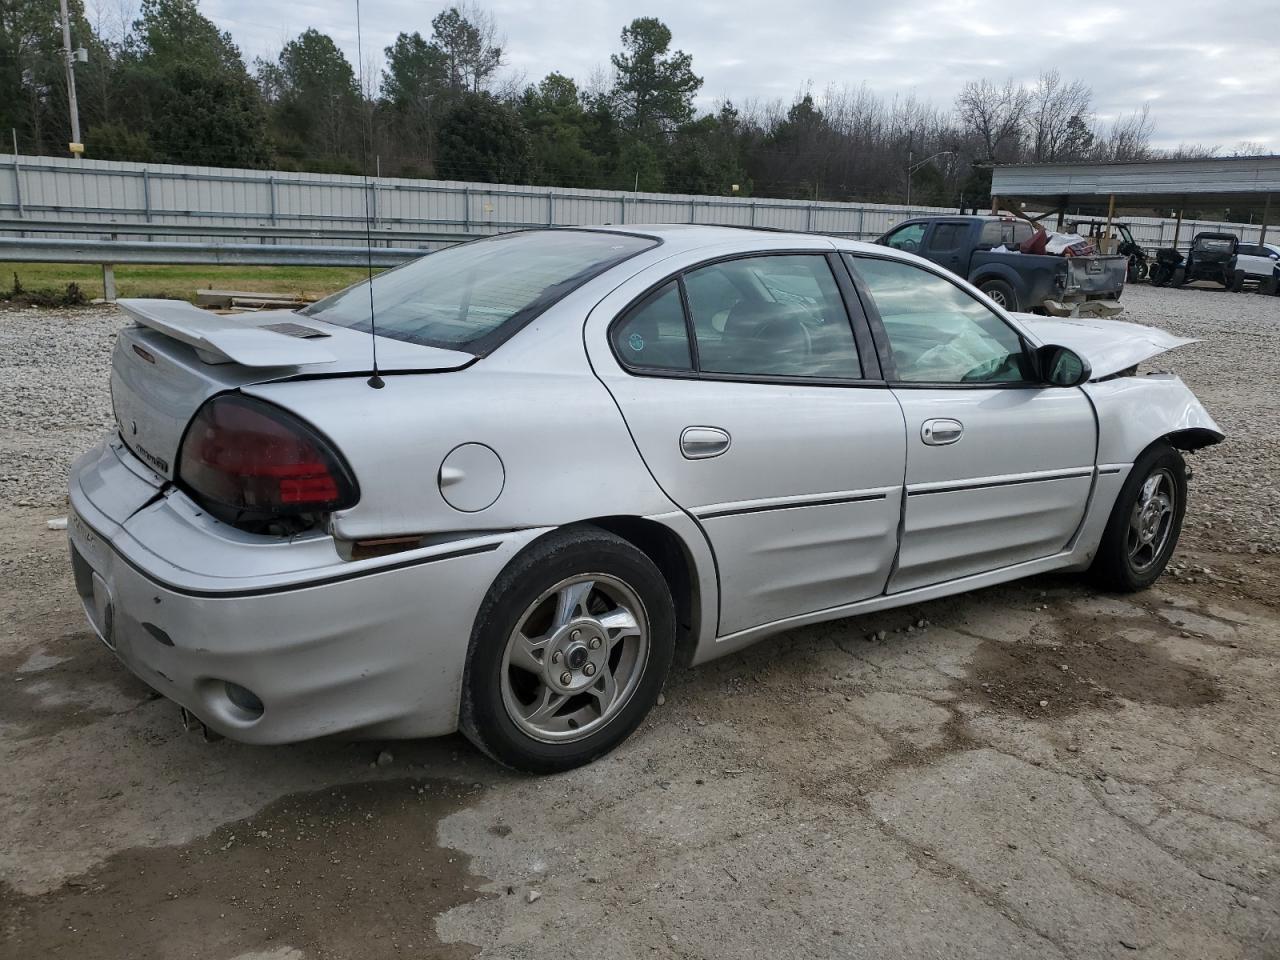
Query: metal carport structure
1244	185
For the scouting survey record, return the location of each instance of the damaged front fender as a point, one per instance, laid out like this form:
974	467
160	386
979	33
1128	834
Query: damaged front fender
1134	412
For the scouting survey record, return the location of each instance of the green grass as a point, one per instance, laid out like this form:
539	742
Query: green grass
179	282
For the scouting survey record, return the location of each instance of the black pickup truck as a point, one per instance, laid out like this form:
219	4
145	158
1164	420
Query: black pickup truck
966	245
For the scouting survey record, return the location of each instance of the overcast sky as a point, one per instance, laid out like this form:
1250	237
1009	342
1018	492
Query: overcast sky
1209	71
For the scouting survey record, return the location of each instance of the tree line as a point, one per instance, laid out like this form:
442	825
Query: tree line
170	86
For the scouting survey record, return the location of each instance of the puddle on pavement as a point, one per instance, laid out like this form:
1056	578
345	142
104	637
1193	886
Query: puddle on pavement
346	872
1094	671
65	684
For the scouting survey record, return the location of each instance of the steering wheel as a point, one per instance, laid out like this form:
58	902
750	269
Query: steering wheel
909	245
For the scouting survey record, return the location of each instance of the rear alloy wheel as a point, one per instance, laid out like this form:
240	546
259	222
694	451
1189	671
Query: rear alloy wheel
1145	522
569	652
575	658
1001	294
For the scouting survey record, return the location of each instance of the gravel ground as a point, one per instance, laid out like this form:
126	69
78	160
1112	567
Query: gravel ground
1029	771
55	399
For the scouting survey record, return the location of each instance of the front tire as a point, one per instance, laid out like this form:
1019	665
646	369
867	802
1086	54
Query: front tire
1145	522
569	652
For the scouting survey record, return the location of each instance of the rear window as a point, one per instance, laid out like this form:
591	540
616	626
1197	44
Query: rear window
472	296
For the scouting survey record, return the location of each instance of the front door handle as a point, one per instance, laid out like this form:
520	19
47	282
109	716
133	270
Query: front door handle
702	443
939	433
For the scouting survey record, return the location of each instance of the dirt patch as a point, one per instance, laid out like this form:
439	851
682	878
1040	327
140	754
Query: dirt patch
65	685
1043	679
351	871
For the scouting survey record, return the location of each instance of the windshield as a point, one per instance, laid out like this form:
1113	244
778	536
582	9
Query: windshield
1213	245
475	294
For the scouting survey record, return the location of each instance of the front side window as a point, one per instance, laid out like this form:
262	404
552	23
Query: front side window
775	316
653	333
907	238
462	296
939	333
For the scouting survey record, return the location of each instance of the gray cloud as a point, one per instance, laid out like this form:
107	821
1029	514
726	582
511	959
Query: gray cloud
1209	78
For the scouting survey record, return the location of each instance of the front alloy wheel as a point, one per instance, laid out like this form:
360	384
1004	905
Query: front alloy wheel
1145	521
1151	520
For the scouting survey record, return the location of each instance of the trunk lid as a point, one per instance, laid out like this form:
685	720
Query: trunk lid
177	356
1109	345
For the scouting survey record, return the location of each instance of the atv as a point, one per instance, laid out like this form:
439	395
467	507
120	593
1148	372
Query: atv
1212	257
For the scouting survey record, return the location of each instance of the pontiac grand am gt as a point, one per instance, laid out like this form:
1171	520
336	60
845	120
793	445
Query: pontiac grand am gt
586	454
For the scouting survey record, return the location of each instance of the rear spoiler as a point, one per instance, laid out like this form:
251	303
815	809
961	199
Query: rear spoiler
231	339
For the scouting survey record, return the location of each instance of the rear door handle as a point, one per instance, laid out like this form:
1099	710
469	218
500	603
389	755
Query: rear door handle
702	443
939	433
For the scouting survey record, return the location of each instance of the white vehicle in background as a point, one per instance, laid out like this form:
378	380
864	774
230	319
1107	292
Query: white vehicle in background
1258	260
591	453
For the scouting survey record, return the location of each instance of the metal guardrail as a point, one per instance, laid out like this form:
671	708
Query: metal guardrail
109	253
32	250
115	229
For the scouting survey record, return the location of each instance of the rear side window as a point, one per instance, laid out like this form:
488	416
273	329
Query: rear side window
947	236
473	295
777	316
653	332
767	316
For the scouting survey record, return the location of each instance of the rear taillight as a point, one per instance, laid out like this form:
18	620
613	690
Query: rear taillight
245	460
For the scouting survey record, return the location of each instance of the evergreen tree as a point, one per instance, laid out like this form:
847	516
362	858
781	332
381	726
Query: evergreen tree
654	87
483	139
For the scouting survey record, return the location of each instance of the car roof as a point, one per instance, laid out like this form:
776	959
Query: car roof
681	237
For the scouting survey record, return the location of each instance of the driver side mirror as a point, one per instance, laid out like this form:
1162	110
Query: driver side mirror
1062	366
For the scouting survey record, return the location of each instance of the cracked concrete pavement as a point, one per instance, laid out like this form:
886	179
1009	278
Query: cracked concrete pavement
1033	770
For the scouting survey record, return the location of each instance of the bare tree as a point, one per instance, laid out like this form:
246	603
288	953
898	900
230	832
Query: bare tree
1129	137
1191	151
995	115
1054	105
1251	148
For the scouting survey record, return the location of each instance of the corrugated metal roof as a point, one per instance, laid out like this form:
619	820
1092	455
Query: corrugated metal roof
1238	182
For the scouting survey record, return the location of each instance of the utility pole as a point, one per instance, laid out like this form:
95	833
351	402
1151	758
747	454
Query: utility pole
913	167
69	57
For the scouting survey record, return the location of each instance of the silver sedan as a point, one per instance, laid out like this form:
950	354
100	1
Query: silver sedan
503	488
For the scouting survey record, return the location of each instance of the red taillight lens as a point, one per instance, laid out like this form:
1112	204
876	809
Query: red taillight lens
254	460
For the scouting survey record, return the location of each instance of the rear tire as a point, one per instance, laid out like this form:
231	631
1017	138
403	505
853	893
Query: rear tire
1145	522
1001	294
569	652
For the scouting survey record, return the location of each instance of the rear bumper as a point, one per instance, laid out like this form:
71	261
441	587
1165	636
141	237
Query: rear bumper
365	648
